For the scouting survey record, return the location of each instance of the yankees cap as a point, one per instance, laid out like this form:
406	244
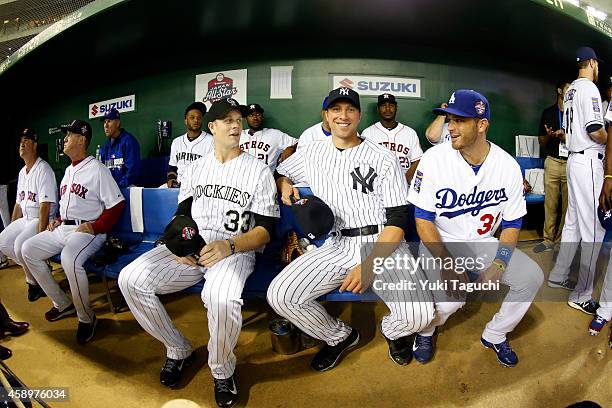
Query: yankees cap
313	216
468	104
79	127
386	97
343	94
196	106
585	54
222	107
182	237
28	133
112	114
253	107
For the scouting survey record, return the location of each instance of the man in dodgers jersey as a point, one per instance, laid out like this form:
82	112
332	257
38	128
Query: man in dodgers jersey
90	204
189	146
232	198
463	191
266	144
36	202
318	131
585	138
365	188
402	140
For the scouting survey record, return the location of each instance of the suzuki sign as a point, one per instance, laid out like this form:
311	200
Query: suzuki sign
375	85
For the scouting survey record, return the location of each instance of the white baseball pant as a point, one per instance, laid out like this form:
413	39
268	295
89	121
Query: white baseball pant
12	239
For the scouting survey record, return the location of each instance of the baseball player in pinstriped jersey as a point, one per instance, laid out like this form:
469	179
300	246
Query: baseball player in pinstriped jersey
232	198
365	188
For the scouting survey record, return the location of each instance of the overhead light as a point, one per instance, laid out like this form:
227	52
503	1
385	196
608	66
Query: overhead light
596	13
574	2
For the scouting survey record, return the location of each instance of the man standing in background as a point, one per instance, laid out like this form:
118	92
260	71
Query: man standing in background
121	153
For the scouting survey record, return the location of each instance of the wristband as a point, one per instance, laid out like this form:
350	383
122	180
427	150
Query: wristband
504	254
232	246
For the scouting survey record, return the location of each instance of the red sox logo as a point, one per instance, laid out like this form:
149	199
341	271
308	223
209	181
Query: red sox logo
75	188
188	233
219	88
32	196
21	195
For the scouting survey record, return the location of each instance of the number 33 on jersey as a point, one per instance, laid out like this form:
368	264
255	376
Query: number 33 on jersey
468	204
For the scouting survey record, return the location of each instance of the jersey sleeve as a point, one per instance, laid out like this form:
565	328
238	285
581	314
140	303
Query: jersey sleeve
304	139
173	147
367	132
394	185
20	188
264	197
287	140
609	112
515	207
110	194
423	190
591	106
416	152
294	167
47	190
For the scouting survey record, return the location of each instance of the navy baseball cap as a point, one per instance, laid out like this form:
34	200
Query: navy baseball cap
314	217
324	105
182	237
585	54
605	218
222	107
468	104
254	107
112	114
80	127
196	106
28	133
343	94
386	97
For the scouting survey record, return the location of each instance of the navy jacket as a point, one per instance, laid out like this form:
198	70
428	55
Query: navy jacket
122	157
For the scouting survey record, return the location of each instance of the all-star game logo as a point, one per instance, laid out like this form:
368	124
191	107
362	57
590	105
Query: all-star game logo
219	88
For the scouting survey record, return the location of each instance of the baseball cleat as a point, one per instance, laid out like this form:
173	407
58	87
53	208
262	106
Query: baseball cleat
597	324
329	356
505	355
400	350
423	348
226	392
172	370
54	314
35	292
86	331
5	353
566	284
589	307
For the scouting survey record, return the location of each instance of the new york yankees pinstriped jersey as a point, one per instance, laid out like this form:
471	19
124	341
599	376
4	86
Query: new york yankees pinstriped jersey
401	140
35	187
86	190
356	183
468	206
312	134
184	151
225	196
581	108
266	145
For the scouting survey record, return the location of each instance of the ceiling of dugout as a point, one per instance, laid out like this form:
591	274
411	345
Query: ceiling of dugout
139	37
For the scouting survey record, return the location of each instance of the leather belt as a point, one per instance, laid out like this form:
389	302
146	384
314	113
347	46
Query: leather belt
356	232
73	222
600	156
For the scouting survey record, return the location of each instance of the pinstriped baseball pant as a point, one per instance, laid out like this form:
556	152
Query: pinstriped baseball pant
157	272
293	293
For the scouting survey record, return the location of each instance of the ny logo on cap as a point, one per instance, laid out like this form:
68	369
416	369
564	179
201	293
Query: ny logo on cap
232	102
452	99
344	91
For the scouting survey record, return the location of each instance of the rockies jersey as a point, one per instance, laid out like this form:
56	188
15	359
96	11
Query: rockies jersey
356	183
313	134
87	189
266	145
581	108
184	151
35	187
468	206
445	137
401	140
225	196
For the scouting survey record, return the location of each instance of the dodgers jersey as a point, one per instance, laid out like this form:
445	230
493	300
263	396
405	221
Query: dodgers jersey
312	134
401	140
581	108
445	137
86	190
184	151
468	206
357	183
265	144
225	195
35	187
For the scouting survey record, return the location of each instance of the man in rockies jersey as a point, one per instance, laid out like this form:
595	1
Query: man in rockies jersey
463	192
90	204
398	138
266	144
318	131
365	187
36	203
189	146
585	138
232	198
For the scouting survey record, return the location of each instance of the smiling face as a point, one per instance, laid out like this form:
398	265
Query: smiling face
465	132
343	118
226	131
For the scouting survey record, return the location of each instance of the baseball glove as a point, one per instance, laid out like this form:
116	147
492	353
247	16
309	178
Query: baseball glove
291	248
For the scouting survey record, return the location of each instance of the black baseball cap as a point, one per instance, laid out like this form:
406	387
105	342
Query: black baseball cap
79	127
182	237
343	94
585	54
386	97
253	107
222	107
314	217
28	133
197	106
